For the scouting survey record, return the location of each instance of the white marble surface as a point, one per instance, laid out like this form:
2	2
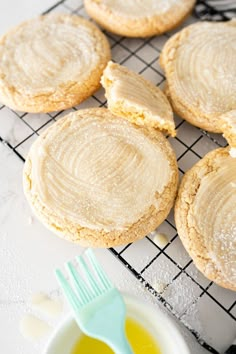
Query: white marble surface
29	253
13	12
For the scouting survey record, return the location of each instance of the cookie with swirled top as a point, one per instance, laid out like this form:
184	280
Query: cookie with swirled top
134	18
200	67
205	216
51	63
98	180
132	97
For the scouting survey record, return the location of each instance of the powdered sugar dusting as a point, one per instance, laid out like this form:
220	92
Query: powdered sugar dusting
226	245
140	8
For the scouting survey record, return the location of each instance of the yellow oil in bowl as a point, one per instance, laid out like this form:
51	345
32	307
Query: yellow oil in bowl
139	338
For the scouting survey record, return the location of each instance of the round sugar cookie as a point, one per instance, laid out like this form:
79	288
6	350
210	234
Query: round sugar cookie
51	63
200	67
97	179
205	216
135	18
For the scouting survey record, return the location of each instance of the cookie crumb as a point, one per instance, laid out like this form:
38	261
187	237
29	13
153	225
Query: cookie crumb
33	328
161	240
46	305
159	286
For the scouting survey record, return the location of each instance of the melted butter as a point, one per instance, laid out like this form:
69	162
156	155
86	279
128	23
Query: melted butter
140	339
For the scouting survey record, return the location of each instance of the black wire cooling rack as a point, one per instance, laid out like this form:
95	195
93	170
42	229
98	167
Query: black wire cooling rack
215	10
186	293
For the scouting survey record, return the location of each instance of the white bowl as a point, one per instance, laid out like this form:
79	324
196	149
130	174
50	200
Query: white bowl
149	316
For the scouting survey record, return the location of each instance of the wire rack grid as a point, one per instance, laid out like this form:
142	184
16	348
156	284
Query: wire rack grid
195	301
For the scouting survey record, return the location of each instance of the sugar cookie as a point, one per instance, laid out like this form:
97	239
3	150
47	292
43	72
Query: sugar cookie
205	216
97	179
51	63
200	68
135	18
132	97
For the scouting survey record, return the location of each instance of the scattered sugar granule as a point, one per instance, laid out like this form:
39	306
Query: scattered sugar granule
159	286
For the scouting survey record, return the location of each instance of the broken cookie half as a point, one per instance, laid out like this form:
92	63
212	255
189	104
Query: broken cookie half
134	98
